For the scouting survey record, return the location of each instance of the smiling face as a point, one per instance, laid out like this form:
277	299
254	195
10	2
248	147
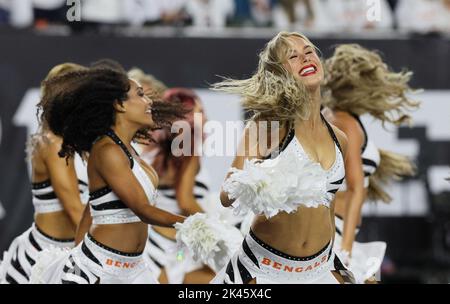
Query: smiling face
138	106
304	63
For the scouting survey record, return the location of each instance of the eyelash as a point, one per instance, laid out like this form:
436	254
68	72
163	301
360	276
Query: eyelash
295	56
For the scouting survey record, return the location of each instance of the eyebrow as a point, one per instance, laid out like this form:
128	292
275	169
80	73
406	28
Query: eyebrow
305	47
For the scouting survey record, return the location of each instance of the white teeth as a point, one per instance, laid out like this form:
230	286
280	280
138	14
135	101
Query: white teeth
307	70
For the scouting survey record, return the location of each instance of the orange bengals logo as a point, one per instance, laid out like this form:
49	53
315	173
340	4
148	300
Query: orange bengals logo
118	264
286	268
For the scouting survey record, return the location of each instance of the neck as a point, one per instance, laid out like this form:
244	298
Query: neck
125	132
315	118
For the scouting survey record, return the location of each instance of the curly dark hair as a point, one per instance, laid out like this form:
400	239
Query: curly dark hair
56	71
84	110
108	63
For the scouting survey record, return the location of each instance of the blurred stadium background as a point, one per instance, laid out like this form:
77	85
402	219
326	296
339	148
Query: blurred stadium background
187	43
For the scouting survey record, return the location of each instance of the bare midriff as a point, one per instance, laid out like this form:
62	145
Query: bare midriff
301	234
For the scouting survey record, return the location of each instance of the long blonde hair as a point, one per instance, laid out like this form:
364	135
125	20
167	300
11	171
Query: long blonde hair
157	87
272	93
393	166
358	81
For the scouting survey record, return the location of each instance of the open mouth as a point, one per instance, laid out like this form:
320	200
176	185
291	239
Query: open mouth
308	70
148	111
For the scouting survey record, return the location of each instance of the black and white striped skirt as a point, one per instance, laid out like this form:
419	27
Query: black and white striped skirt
22	254
257	260
366	259
94	263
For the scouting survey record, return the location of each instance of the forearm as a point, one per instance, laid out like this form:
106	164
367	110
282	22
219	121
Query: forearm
84	225
352	218
191	207
75	212
158	217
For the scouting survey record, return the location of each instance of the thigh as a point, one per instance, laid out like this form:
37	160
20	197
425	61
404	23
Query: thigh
200	276
338	277
163	279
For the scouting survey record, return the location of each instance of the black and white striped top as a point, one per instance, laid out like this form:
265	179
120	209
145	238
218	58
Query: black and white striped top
167	196
370	156
106	207
45	199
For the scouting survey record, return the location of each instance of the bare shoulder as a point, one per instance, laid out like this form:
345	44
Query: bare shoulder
253	137
107	153
345	121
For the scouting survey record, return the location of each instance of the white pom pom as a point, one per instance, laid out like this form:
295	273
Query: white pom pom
44	260
274	185
208	239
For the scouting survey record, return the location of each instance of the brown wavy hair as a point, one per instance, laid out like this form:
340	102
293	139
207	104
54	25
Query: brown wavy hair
186	100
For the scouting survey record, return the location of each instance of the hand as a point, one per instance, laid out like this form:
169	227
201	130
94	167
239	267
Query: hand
344	256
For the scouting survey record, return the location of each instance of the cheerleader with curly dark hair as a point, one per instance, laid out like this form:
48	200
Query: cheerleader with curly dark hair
101	113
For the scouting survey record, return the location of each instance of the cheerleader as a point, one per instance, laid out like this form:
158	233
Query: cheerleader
102	113
291	237
56	195
169	264
358	83
183	185
161	250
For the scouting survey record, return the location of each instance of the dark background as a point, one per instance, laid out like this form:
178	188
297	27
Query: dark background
419	247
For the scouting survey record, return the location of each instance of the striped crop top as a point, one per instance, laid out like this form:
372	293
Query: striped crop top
370	156
106	207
